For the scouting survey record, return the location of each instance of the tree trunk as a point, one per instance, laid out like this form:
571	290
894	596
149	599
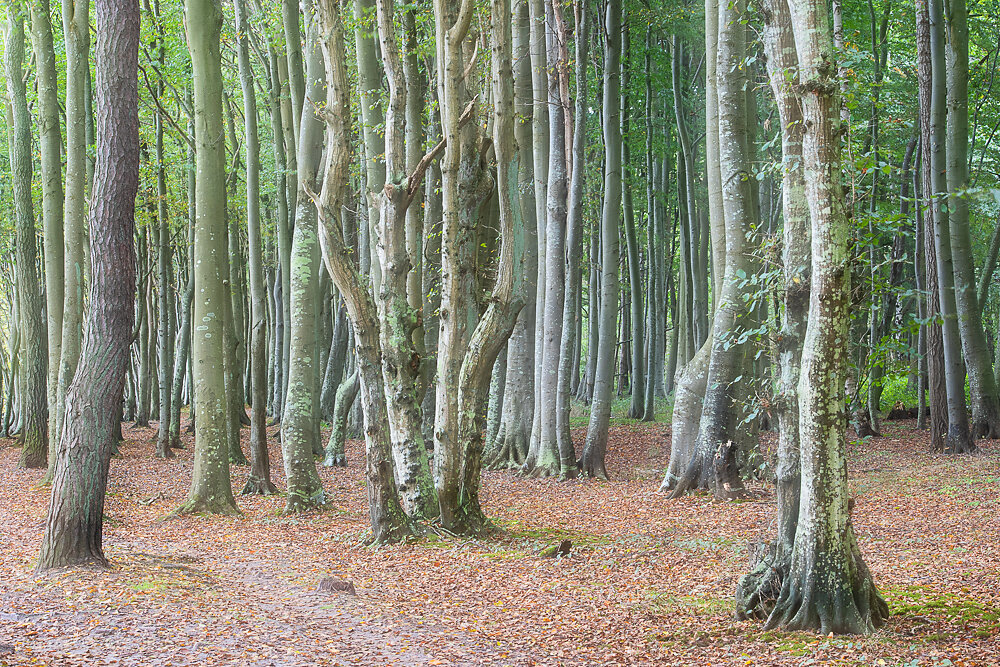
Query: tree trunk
975	348
514	436
829	588
713	465
759	589
934	343
592	463
544	459
388	521
211	491
259	481
959	438
569	361
76	31
164	258
299	436
34	399
74	526
50	140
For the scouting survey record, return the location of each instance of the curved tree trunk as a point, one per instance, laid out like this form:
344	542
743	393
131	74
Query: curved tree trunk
398	319
388	521
74	526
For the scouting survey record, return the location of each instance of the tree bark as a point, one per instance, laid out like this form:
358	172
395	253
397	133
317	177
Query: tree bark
936	382
211	491
74	525
514	436
34	399
388	520
829	588
299	433
959	437
759	589
975	348
259	481
50	141
76	34
592	461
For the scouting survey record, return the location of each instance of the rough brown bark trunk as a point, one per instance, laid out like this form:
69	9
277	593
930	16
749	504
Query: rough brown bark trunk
74	525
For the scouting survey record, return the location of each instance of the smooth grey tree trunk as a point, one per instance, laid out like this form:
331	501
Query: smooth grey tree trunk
259	480
512	440
592	461
33	397
211	491
959	437
50	142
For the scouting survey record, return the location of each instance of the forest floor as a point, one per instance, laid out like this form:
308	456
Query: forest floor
649	580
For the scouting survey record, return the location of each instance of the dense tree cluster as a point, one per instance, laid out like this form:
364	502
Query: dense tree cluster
447	227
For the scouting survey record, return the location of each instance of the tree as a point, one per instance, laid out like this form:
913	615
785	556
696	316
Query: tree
400	358
34	402
959	438
828	587
299	428
388	521
76	33
74	525
259	481
50	140
211	491
596	446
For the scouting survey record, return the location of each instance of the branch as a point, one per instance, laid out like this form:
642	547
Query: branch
418	172
164	112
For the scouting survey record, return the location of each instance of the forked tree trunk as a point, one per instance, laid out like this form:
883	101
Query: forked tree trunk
759	589
388	521
494	328
829	588
74	526
398	319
